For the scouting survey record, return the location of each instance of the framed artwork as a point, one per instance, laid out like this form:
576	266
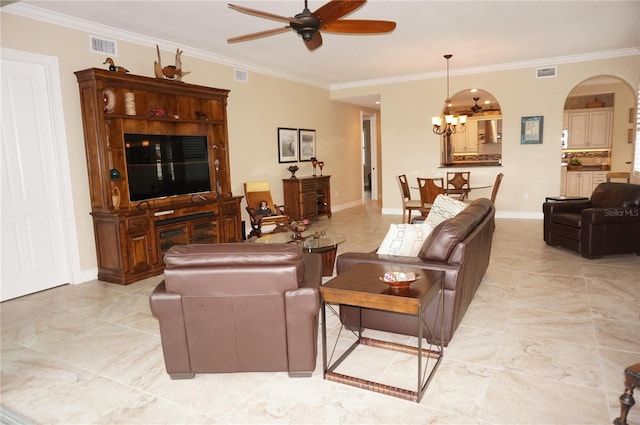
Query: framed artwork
307	148
287	145
531	130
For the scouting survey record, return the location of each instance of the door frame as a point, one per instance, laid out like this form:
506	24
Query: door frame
373	159
61	159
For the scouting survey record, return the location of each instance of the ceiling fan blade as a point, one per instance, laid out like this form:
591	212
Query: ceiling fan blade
260	34
336	9
315	42
359	26
262	14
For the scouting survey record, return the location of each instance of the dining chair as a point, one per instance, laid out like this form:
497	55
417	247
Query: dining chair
458	184
429	189
408	205
496	186
618	175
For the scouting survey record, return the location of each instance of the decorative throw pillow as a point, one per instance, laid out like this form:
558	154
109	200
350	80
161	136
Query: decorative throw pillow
443	208
404	239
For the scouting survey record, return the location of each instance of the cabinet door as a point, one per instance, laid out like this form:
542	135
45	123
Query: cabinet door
586	184
600	129
578	129
167	236
309	204
139	243
572	187
140	250
203	231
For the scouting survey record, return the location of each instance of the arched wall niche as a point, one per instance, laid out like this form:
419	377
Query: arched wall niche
604	95
480	144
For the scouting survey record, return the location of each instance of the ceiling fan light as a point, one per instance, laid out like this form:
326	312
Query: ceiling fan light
463	119
448	119
436	121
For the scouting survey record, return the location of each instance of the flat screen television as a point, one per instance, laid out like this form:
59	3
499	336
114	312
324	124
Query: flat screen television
159	166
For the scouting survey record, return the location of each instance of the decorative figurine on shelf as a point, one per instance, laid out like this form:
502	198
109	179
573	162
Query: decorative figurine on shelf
114	68
314	162
292	169
172	72
264	209
321	165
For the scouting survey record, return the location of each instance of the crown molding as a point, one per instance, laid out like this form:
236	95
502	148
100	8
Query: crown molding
585	57
33	12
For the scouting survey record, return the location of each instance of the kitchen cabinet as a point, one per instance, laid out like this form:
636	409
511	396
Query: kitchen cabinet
467	141
589	128
581	183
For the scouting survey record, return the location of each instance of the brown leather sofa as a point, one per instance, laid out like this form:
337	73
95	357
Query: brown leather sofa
459	246
238	308
608	223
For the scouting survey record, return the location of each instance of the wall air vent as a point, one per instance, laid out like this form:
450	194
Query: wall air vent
548	72
102	45
241	75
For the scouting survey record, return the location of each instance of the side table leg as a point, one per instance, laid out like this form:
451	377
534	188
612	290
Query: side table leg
323	315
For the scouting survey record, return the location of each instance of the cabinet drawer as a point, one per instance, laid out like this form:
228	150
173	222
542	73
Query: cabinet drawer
323	183
134	223
599	177
309	185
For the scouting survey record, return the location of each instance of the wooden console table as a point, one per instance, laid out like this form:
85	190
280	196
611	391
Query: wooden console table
307	197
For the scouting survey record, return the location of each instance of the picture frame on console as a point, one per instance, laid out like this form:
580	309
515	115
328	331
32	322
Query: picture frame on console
307	144
531	130
287	145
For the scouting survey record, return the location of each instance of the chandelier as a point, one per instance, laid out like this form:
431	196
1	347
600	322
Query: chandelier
448	123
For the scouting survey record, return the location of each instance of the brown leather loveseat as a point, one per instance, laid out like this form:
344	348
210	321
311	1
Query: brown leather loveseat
459	246
608	223
238	307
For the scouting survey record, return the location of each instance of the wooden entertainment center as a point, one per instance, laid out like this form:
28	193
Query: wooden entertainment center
186	189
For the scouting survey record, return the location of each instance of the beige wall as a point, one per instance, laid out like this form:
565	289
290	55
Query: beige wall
255	110
532	172
407	144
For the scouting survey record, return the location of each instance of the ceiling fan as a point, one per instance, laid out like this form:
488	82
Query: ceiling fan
309	24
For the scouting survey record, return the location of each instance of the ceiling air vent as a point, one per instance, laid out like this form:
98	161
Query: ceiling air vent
102	45
547	72
241	75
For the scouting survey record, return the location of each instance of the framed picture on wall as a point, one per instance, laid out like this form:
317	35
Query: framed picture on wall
531	130
287	145
307	147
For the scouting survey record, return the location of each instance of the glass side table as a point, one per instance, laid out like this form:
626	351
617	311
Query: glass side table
325	244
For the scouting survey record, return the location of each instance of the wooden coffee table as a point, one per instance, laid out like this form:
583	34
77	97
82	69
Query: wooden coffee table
360	286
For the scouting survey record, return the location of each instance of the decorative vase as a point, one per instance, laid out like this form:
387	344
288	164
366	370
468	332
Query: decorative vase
292	169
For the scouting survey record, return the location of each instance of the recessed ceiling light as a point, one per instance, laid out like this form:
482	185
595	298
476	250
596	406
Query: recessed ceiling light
473	90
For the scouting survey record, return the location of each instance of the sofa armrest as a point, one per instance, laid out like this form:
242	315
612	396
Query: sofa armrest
565	207
312	271
610	215
302	309
167	308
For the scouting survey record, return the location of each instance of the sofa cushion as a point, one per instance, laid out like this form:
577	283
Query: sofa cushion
442	240
404	239
443	208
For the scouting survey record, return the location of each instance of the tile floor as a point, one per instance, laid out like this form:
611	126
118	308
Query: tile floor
545	341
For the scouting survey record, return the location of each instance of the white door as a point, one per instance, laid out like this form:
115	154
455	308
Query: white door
34	252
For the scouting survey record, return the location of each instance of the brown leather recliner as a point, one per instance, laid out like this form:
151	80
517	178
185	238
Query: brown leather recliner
608	223
238	307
